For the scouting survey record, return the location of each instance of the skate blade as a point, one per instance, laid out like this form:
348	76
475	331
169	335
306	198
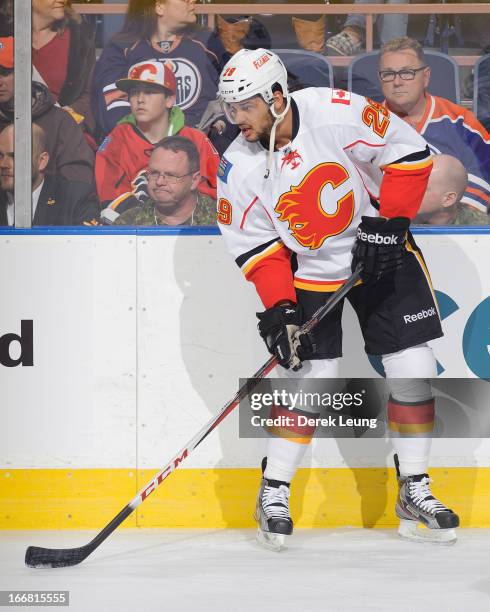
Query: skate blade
271	541
412	530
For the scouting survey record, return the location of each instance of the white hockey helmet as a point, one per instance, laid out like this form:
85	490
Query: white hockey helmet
252	72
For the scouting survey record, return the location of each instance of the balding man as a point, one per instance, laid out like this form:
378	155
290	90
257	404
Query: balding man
447	127
55	200
442	200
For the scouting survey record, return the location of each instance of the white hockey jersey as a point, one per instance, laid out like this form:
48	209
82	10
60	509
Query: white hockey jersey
346	150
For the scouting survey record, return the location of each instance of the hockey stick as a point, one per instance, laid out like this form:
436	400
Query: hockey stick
62	557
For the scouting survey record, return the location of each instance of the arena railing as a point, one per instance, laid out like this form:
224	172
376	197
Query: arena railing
369	10
22	21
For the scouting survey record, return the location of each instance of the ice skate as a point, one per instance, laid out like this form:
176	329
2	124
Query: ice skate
272	513
423	518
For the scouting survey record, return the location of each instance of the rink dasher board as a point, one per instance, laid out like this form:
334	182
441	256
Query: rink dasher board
139	338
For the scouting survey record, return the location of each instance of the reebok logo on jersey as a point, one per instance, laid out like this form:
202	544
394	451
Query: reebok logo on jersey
423	314
376	238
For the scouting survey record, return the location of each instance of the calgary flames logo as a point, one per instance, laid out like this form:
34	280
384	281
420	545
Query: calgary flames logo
301	206
293	158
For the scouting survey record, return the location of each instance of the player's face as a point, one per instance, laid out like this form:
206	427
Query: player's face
169	178
6	85
50	10
403	94
252	117
149	103
177	13
7	159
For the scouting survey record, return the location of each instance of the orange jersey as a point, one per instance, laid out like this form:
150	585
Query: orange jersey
454	130
125	152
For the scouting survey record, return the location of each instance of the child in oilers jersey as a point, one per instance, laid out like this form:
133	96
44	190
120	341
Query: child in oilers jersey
299	182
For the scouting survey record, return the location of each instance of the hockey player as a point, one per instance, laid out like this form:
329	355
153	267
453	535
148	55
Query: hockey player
298	193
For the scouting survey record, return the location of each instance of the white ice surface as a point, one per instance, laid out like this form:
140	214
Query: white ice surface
328	570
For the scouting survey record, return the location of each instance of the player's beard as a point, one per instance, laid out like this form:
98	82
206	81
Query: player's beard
263	136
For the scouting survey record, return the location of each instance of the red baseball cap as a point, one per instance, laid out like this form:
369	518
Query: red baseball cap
7	52
151	72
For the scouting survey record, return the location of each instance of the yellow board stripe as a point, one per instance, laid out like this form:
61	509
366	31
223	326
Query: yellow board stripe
219	498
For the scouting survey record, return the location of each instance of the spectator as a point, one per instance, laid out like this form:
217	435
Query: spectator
63	56
69	154
151	88
173	179
7	18
55	200
483	91
447	127
349	40
158	30
441	204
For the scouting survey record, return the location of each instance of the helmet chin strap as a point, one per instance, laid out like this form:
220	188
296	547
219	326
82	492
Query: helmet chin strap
272	139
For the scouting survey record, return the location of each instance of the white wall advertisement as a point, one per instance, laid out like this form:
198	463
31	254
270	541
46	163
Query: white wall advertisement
116	349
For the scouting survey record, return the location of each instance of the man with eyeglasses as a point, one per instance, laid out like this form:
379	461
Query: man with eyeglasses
447	127
122	158
173	180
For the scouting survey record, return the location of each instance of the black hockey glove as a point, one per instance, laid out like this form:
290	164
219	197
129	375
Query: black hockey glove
380	246
277	327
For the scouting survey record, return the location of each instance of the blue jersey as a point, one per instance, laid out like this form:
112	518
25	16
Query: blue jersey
196	70
453	130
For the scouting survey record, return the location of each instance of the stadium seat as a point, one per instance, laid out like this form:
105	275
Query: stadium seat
481	90
444	80
306	68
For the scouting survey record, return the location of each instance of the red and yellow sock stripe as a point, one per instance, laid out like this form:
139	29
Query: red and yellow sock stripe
412	419
290	426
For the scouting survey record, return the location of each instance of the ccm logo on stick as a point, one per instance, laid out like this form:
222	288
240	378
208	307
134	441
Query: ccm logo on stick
26	341
161	477
376	238
423	314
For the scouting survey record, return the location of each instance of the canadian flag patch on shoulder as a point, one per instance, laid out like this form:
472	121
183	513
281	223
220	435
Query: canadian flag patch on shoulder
339	96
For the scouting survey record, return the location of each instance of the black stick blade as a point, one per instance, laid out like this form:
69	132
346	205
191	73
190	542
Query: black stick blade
55	557
63	557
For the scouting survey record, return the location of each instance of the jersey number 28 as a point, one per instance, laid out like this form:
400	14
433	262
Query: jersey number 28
376	116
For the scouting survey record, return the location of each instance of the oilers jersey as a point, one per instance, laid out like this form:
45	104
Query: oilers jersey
454	130
347	157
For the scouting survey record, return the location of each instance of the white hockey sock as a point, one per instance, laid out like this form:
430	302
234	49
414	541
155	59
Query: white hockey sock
411	407
413	455
283	455
283	458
